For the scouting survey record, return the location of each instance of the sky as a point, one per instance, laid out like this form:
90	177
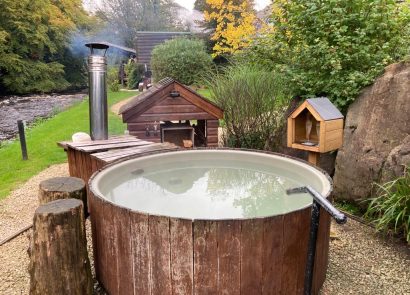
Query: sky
259	4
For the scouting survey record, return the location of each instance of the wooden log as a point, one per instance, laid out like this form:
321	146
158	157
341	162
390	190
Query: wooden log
63	188
59	261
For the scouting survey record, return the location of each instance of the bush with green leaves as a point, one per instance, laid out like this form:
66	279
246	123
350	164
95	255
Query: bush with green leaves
34	40
390	209
112	79
254	101
334	48
135	74
182	59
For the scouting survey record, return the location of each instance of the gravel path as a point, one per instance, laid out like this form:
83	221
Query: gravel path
116	107
17	210
361	262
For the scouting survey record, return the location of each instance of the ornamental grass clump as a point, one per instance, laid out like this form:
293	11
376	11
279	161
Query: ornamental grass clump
254	101
390	209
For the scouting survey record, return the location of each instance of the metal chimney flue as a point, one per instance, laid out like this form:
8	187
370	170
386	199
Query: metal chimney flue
97	90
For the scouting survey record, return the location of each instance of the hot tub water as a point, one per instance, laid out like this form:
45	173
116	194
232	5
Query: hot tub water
206	188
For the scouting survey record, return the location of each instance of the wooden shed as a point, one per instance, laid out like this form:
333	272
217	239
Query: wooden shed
172	112
146	41
316	126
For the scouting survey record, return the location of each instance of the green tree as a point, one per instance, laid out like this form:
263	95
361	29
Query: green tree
182	59
200	5
206	26
135	74
33	35
334	48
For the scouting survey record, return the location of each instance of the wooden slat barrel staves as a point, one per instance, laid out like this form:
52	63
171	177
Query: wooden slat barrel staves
137	253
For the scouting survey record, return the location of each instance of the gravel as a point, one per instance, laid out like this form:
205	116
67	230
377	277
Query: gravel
17	210
361	261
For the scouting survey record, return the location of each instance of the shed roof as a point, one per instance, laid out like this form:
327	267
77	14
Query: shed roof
322	106
138	99
140	103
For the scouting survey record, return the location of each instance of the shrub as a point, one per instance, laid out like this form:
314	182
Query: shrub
182	59
254	101
75	70
334	48
35	76
391	208
112	79
135	73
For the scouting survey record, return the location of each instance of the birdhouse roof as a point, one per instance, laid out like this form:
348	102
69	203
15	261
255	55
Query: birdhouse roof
320	106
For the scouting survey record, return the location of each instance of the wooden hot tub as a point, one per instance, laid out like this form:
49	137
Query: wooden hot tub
139	249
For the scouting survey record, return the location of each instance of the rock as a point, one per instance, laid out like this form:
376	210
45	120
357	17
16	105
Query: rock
396	162
80	137
375	139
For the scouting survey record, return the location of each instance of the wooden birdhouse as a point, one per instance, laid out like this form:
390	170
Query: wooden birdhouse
315	126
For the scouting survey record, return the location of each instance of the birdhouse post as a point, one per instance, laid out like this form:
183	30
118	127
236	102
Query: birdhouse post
315	126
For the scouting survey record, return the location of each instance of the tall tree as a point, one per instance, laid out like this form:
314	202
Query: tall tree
201	5
235	24
127	17
32	35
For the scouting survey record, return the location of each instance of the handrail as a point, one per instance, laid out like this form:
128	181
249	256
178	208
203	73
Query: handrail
336	214
318	201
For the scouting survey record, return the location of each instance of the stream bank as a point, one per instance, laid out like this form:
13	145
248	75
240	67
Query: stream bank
30	109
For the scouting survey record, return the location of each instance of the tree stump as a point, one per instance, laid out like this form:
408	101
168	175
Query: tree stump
63	188
59	261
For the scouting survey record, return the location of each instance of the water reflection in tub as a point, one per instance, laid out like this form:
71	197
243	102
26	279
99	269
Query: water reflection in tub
207	190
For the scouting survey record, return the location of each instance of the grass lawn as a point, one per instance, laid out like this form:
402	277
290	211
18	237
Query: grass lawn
205	93
42	141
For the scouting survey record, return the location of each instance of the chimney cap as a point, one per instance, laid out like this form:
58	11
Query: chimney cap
97	45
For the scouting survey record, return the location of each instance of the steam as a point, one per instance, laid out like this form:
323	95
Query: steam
105	34
190	19
92	5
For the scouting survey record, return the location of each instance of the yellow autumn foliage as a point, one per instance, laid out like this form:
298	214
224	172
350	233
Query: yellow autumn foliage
235	24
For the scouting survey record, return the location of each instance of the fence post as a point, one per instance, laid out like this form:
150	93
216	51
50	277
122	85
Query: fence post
22	137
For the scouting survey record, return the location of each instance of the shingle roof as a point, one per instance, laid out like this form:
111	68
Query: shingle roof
146	94
325	108
161	85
